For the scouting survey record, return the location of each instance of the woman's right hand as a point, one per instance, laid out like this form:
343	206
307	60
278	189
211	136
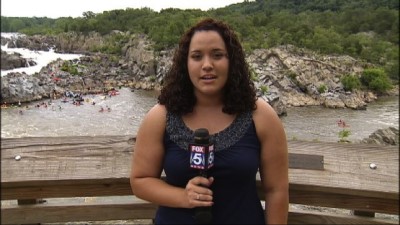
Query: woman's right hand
198	192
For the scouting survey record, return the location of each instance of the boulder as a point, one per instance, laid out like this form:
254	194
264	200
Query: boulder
14	60
388	136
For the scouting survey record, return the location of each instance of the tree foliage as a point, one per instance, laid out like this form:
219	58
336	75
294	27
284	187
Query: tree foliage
350	82
364	29
376	79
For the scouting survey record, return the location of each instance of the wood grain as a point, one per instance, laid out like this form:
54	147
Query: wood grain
84	166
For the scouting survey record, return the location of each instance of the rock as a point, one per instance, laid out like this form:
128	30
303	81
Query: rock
274	100
353	101
388	136
296	75
14	60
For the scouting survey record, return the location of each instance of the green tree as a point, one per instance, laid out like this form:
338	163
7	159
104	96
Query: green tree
376	79
88	14
325	41
365	29
350	82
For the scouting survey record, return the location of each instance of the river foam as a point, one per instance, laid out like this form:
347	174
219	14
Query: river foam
42	58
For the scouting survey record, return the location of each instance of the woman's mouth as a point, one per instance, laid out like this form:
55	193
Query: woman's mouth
208	77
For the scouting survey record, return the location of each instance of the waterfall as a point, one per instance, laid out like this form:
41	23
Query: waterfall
35	60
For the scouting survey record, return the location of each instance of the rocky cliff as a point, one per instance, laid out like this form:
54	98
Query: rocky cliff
285	76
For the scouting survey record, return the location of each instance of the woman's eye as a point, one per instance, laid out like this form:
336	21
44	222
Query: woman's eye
196	57
218	55
214	56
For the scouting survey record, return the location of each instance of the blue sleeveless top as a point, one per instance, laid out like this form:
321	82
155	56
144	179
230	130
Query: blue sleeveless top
236	163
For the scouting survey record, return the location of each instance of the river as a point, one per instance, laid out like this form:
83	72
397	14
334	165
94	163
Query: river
320	123
128	109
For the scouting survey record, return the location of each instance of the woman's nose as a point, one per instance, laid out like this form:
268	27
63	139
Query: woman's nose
207	63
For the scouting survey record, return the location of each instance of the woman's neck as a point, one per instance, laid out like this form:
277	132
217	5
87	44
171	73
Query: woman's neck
208	101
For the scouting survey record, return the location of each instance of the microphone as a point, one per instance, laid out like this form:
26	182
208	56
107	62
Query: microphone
202	159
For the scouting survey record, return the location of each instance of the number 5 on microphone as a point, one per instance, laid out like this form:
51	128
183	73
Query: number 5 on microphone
197	157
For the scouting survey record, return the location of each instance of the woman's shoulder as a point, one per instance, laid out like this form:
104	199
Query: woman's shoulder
263	108
158	109
264	116
156	115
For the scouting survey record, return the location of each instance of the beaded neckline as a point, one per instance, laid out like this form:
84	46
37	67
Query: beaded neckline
181	135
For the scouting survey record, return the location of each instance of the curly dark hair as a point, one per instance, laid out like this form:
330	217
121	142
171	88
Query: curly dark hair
239	92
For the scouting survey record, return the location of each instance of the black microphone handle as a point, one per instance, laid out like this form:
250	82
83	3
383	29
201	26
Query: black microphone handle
203	215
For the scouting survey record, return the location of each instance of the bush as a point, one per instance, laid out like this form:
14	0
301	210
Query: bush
350	82
322	88
392	69
376	79
67	67
292	75
264	89
253	75
380	85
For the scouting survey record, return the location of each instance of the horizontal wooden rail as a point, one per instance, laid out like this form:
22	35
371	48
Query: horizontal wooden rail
78	211
71	167
136	209
307	195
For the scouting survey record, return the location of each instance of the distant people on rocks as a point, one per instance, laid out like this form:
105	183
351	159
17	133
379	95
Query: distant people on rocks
69	94
76	98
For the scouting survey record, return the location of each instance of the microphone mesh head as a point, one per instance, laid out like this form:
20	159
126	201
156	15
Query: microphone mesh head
201	136
201	133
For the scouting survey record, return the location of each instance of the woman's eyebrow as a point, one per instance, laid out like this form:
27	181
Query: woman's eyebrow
218	49
212	50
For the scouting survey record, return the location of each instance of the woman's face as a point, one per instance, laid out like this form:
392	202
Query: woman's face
208	63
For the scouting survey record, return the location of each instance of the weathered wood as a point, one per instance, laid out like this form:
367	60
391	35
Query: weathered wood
102	157
124	209
51	167
306	161
347	171
60	189
108	158
306	217
345	201
65	159
136	209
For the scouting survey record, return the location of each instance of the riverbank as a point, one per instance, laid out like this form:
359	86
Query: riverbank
128	108
292	76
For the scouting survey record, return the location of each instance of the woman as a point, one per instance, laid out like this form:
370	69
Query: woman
209	86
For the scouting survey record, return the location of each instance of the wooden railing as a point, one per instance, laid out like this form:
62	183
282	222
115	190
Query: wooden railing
67	179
